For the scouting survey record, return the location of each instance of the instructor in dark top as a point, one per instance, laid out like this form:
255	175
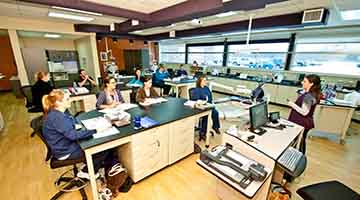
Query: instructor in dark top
302	110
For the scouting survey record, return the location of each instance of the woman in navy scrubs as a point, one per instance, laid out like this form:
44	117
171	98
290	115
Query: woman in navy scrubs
202	92
302	110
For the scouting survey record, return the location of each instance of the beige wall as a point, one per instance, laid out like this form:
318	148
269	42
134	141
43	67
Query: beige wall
19	23
83	47
44	43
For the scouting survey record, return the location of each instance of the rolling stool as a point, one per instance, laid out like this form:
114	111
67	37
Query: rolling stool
331	190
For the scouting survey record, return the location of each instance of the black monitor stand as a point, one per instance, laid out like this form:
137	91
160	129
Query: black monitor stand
258	131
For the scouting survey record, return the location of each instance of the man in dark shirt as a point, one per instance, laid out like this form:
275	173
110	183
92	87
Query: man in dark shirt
85	80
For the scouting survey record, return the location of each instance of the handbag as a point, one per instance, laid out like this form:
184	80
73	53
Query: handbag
115	178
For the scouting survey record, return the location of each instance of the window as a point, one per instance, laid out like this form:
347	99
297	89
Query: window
333	58
206	55
172	53
262	55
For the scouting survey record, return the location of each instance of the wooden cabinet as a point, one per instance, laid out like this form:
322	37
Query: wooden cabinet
181	139
147	152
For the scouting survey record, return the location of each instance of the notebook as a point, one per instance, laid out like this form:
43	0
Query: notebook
147	122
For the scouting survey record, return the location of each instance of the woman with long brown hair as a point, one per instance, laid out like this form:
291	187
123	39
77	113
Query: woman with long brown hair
60	133
202	92
302	110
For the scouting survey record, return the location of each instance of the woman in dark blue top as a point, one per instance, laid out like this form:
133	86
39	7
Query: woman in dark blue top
60	133
202	92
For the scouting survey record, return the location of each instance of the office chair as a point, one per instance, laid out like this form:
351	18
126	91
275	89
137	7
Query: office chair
333	190
67	182
27	93
198	125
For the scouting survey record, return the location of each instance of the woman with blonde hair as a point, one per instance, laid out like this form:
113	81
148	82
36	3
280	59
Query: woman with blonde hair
60	133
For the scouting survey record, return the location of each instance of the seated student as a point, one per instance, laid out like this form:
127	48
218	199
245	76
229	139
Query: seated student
181	71
138	79
60	133
146	92
85	80
110	97
202	92
159	77
39	89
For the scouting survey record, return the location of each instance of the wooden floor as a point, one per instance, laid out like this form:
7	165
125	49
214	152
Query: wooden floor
24	174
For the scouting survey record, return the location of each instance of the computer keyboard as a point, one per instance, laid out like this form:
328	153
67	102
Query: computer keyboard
290	158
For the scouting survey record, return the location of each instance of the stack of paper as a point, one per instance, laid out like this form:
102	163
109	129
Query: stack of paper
190	103
96	123
119	108
106	132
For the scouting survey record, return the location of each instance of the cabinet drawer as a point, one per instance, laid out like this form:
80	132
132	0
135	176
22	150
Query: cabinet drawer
145	137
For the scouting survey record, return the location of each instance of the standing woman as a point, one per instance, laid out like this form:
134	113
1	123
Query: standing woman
302	110
39	89
202	92
110	97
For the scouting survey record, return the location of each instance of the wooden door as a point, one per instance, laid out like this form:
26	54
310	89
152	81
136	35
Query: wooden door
7	64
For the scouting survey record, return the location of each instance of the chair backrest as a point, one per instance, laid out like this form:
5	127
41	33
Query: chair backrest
36	124
26	91
191	91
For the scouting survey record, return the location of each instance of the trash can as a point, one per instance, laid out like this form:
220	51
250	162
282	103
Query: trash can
16	86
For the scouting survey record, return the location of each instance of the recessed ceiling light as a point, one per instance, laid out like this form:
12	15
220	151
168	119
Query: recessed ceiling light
76	10
68	16
350	14
48	35
226	14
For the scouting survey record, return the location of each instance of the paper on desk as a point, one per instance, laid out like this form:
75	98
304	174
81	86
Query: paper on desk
121	107
190	103
155	100
106	132
96	123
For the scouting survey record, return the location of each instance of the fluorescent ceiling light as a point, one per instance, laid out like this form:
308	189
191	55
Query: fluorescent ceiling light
48	35
68	16
172	25
226	14
139	31
76	10
350	14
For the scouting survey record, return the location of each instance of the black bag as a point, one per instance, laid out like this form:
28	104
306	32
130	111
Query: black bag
126	186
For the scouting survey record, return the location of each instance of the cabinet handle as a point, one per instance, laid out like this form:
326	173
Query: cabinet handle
158	143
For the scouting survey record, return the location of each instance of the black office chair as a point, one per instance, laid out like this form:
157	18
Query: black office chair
27	93
68	181
333	190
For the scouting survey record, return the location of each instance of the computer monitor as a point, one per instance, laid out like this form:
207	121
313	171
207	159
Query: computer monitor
258	93
258	118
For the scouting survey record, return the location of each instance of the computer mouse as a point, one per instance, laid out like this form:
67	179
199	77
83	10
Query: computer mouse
251	138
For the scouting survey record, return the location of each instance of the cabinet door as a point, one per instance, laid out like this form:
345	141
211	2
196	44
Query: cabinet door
181	139
149	152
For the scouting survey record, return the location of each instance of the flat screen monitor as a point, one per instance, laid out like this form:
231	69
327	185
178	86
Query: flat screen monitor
258	118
